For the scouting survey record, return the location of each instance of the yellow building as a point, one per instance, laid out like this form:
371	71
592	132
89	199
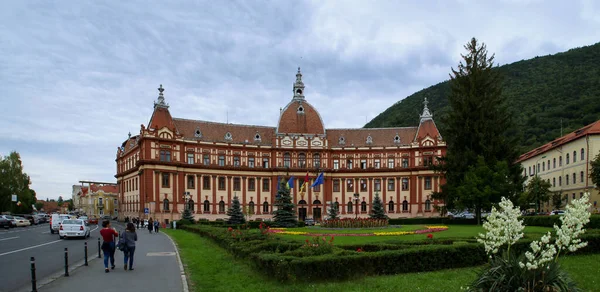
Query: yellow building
565	164
99	200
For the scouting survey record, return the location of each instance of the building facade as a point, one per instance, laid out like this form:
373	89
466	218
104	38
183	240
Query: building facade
98	199
174	164
565	164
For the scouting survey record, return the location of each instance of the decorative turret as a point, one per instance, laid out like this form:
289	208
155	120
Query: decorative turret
426	114
298	86
161	99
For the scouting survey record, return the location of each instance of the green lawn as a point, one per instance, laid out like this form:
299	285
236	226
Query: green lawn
454	231
211	268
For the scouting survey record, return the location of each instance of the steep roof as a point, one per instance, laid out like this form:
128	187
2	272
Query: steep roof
379	137
161	117
217	132
427	128
300	117
591	129
111	189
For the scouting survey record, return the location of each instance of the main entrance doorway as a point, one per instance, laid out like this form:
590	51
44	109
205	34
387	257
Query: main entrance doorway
302	210
317	210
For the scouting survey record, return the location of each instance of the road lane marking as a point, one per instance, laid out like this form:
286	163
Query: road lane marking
45	232
9	238
31	247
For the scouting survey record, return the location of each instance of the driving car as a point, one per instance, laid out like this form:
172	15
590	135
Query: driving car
85	219
22	222
55	221
73	228
93	220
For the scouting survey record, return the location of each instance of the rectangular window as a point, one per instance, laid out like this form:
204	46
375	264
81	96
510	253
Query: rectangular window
221	183
405	162
317	188
265	183
206	182
236	184
377	163
165	180
190	182
236	161
554	162
377	186
165	155
560	161
206	159
251	162
363	185
190	157
567	179
266	162
363	164
553	182
543	166
336	185
581	177
221	160
391	182
251	184
302	160
391	163
336	164
560	181
287	160
427	161
350	185
349	164
317	160
428	183
574	178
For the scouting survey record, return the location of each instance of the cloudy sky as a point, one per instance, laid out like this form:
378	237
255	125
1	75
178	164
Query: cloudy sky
77	76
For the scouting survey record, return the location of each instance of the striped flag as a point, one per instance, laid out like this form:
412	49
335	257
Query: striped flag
305	183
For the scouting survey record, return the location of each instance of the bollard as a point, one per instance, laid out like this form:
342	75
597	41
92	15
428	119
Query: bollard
66	262
33	280
99	248
85	254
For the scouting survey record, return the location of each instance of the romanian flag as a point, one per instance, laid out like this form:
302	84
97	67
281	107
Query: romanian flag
290	183
305	183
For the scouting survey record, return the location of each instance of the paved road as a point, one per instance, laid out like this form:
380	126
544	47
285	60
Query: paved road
18	245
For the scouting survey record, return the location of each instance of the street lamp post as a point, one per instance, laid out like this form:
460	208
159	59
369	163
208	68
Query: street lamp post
186	198
356	195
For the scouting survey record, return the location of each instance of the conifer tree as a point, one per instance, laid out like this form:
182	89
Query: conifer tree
377	211
332	212
187	215
235	213
285	215
478	126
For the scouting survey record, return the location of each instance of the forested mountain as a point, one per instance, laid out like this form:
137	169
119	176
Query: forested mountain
541	92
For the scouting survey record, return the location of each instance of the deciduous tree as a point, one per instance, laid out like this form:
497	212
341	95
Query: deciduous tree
13	181
537	191
595	173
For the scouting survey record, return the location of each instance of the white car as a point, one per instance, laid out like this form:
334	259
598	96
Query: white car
84	218
22	221
73	228
56	220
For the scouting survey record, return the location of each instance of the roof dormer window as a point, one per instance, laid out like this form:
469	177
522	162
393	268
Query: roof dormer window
397	139
228	136
257	137
342	140
300	109
198	133
369	140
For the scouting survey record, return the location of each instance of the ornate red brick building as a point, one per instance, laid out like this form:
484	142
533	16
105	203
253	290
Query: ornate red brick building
173	161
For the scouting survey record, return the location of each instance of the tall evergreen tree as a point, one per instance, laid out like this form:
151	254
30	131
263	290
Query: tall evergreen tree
285	215
332	212
378	211
478	125
557	200
187	215
235	212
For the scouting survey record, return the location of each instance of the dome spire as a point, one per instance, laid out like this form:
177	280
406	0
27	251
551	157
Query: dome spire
298	86
160	102
426	114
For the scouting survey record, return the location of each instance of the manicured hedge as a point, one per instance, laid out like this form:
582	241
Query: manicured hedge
252	224
432	221
549	221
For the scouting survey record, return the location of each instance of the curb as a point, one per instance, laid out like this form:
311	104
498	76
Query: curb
183	275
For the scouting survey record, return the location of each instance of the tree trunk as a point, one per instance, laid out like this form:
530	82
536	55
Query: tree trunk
478	213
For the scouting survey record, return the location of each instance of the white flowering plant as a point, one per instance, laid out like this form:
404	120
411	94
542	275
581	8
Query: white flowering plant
538	268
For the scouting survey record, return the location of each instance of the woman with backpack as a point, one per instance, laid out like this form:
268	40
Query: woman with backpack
127	245
156	225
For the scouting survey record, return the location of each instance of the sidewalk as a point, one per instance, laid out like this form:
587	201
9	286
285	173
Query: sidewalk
156	268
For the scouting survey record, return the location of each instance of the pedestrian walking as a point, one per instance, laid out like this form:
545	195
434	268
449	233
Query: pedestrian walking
156	225
150	225
108	246
129	237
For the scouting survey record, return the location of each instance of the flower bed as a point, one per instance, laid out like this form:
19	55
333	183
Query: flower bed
354	223
429	229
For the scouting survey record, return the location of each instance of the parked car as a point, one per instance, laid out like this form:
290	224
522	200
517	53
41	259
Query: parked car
73	228
33	220
105	217
557	212
11	220
5	223
22	222
56	220
309	222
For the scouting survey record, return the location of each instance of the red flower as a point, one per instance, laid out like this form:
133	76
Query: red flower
430	236
359	250
307	241
229	229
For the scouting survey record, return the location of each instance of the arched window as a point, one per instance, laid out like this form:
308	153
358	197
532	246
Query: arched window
582	154
336	205
251	207
316	202
567	159
286	159
391	206
166	204
317	159
190	205
350	207
165	155
405	205
427	205
574	156
363	206
265	208
302	160
206	206
302	202
221	207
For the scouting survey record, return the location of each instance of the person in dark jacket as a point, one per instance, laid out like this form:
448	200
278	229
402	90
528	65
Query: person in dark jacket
156	226
129	238
150	225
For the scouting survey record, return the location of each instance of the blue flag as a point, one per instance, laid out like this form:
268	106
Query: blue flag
278	182
318	181
290	182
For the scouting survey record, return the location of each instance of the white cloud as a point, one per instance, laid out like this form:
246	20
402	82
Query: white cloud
77	78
